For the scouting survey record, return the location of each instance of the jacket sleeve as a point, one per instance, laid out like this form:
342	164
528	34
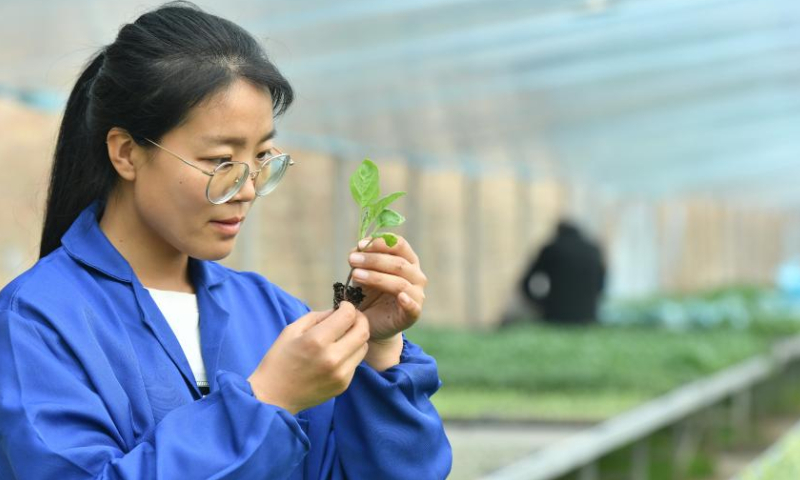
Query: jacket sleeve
54	424
385	425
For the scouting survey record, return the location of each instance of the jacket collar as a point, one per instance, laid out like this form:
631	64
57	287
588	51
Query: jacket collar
86	243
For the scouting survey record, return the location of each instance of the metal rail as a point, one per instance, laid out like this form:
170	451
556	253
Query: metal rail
580	452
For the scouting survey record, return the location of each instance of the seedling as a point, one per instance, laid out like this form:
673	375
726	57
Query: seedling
374	217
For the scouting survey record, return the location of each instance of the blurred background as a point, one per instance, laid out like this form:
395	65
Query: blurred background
666	131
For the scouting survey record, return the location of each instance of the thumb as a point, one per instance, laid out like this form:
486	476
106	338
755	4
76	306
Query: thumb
310	319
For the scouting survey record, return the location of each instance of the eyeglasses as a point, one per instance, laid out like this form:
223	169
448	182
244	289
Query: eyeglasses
229	177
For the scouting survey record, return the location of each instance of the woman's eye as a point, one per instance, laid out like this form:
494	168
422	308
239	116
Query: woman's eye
263	156
217	161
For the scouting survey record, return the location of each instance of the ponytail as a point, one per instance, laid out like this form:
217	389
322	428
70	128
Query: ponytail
81	170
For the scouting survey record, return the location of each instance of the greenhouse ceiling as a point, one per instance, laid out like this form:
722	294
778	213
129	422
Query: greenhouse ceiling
643	96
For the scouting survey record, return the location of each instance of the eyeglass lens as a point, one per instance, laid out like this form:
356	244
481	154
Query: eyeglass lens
271	174
229	178
227	181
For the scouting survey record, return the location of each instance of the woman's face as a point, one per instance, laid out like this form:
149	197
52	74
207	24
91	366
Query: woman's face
170	197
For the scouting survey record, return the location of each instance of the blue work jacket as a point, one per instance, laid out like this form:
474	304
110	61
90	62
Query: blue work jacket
94	384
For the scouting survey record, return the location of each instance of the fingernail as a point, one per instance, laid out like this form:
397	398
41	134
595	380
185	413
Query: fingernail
363	243
360	274
356	258
404	298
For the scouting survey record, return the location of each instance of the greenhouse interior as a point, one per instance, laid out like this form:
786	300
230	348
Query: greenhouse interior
662	135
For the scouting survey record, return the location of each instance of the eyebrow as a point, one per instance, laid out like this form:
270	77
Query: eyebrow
234	141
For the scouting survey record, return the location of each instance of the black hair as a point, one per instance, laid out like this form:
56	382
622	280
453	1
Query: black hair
146	82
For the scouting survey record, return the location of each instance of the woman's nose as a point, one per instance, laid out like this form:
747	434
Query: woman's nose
247	192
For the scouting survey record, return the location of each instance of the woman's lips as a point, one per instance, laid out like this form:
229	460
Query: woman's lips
227	227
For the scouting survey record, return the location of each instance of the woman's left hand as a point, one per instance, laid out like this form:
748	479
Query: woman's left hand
394	287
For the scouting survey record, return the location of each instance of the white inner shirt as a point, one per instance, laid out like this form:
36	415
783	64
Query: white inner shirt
180	310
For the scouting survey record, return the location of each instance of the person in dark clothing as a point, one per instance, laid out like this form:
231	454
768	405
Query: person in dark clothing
566	279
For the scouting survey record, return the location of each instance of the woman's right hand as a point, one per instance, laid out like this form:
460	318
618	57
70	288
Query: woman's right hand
313	359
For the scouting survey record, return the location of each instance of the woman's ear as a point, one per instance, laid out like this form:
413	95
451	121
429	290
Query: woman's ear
121	151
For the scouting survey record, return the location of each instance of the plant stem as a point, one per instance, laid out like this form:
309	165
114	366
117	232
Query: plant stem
349	276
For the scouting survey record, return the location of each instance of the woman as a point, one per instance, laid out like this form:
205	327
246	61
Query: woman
126	352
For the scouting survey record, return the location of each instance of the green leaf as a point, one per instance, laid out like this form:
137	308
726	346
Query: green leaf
384	202
380	205
389	238
365	184
390	218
